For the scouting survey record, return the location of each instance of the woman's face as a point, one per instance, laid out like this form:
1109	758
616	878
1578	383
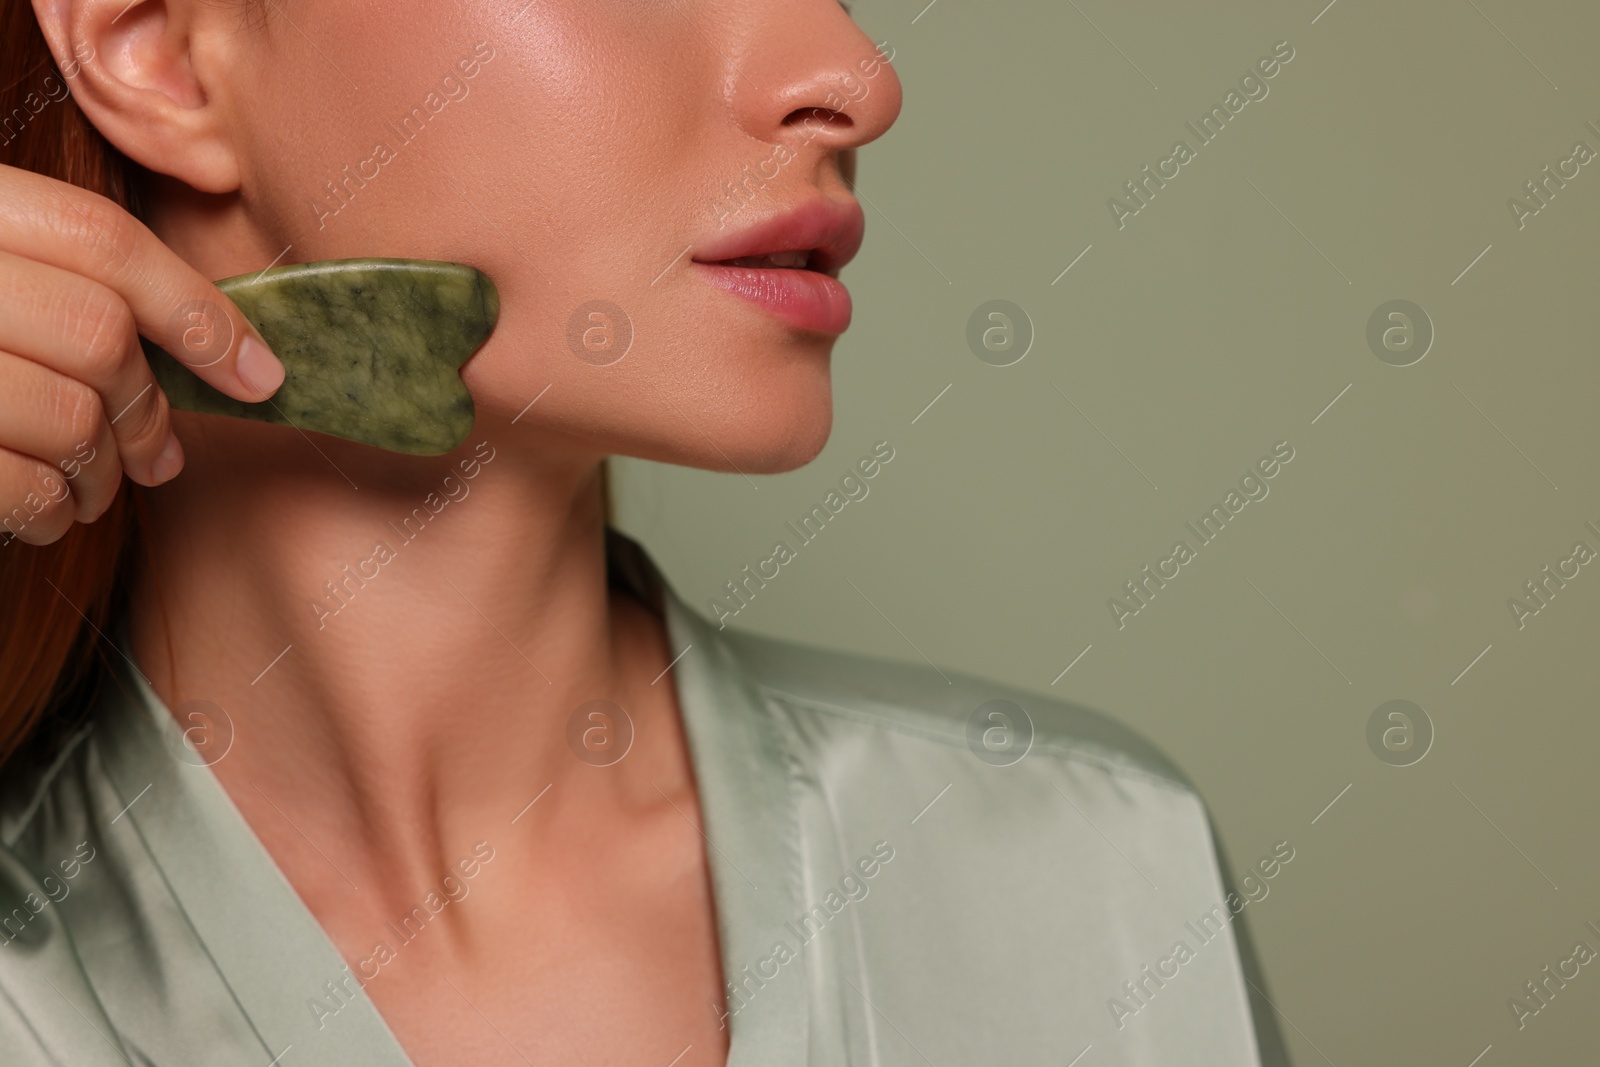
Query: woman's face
591	156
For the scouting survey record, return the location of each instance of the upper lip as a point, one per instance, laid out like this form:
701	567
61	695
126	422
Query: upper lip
829	229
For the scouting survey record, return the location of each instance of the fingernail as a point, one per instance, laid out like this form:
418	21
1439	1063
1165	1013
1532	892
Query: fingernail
258	368
168	463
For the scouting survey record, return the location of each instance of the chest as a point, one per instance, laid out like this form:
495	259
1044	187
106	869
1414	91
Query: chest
594	963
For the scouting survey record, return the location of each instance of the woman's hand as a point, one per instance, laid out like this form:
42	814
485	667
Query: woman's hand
80	280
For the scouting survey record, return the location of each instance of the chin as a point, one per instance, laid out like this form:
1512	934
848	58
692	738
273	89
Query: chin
773	420
759	433
778	446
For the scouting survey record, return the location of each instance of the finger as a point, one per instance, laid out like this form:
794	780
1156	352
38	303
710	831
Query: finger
172	303
78	328
60	422
34	498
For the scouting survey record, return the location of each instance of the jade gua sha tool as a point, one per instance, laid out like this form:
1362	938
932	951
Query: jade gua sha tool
372	349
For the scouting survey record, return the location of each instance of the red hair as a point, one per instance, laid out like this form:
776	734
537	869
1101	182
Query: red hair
56	600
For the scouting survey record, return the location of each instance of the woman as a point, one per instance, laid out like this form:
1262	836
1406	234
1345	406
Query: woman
506	800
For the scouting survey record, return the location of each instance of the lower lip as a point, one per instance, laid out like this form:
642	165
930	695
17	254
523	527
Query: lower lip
805	299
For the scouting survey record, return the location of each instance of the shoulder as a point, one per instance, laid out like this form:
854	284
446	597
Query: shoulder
1039	843
976	769
996	723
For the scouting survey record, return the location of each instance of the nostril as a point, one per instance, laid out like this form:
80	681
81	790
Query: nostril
818	119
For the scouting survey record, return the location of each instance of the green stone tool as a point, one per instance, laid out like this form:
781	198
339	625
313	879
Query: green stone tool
372	349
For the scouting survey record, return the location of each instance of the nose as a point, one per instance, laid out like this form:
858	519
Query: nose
809	76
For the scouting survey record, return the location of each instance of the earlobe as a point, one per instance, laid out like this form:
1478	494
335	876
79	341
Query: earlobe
135	70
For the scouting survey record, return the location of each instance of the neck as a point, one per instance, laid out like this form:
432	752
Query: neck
398	645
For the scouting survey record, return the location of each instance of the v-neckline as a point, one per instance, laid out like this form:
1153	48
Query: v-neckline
274	956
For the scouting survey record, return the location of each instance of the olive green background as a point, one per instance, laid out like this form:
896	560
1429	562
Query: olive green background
1223	318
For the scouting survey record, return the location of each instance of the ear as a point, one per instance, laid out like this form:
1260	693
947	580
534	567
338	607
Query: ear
139	71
